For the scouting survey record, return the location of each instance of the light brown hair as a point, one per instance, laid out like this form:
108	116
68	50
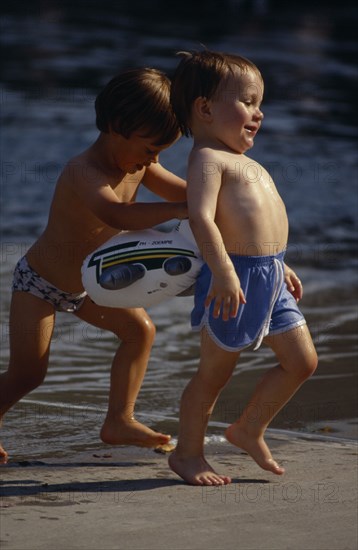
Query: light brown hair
200	74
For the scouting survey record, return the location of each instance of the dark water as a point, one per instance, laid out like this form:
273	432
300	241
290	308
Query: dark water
56	57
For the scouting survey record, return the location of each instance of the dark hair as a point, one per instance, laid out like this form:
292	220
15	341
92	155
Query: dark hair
138	100
199	74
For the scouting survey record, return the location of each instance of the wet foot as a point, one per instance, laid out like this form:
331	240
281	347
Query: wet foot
255	447
196	471
3	455
132	433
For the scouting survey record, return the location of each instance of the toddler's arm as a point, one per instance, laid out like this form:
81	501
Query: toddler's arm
203	191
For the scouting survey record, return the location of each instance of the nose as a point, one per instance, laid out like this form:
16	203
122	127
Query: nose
259	114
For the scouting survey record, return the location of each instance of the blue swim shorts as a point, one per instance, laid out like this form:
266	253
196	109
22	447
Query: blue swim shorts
27	280
269	309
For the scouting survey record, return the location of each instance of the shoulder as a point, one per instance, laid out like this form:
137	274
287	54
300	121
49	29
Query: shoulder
207	154
80	171
206	160
74	168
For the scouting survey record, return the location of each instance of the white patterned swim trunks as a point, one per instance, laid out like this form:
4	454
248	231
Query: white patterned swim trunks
27	280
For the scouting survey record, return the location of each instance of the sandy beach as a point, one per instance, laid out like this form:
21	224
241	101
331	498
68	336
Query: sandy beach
128	499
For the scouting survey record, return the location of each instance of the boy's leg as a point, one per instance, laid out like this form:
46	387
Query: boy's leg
298	360
197	403
31	327
136	331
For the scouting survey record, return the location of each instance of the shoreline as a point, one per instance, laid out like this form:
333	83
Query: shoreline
129	498
39	429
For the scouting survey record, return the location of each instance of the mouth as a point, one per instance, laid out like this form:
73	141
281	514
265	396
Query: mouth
252	130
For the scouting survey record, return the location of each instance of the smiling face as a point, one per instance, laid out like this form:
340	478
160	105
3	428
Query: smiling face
235	112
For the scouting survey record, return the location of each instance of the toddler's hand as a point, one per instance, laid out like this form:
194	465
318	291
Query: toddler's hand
293	283
227	295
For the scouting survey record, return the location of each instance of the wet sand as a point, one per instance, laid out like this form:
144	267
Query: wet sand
128	498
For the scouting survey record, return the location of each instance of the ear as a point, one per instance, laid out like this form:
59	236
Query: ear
202	109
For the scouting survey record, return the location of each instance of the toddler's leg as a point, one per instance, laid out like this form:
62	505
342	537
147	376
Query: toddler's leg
197	403
31	326
298	360
136	331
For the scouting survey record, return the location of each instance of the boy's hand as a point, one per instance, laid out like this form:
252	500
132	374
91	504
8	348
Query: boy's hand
293	283
228	295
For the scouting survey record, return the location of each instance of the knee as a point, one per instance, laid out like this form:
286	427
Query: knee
308	366
140	331
26	382
33	380
313	364
145	331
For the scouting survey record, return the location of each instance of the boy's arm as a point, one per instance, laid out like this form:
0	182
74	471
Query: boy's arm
203	191
163	183
100	198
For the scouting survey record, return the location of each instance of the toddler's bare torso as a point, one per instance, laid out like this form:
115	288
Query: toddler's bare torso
250	213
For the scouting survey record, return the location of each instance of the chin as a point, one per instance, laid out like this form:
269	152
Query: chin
248	147
242	150
132	169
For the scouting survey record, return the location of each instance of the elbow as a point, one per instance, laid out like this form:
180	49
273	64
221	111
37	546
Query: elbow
120	217
197	221
112	221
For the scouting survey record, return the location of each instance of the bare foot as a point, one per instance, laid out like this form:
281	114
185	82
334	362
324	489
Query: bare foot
3	455
196	471
131	433
255	447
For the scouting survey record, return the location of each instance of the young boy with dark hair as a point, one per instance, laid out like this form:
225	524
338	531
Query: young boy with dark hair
95	197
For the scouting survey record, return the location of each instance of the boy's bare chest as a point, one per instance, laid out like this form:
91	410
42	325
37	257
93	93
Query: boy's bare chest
249	190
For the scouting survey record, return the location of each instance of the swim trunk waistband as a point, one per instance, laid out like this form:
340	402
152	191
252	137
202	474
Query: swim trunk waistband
256	261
